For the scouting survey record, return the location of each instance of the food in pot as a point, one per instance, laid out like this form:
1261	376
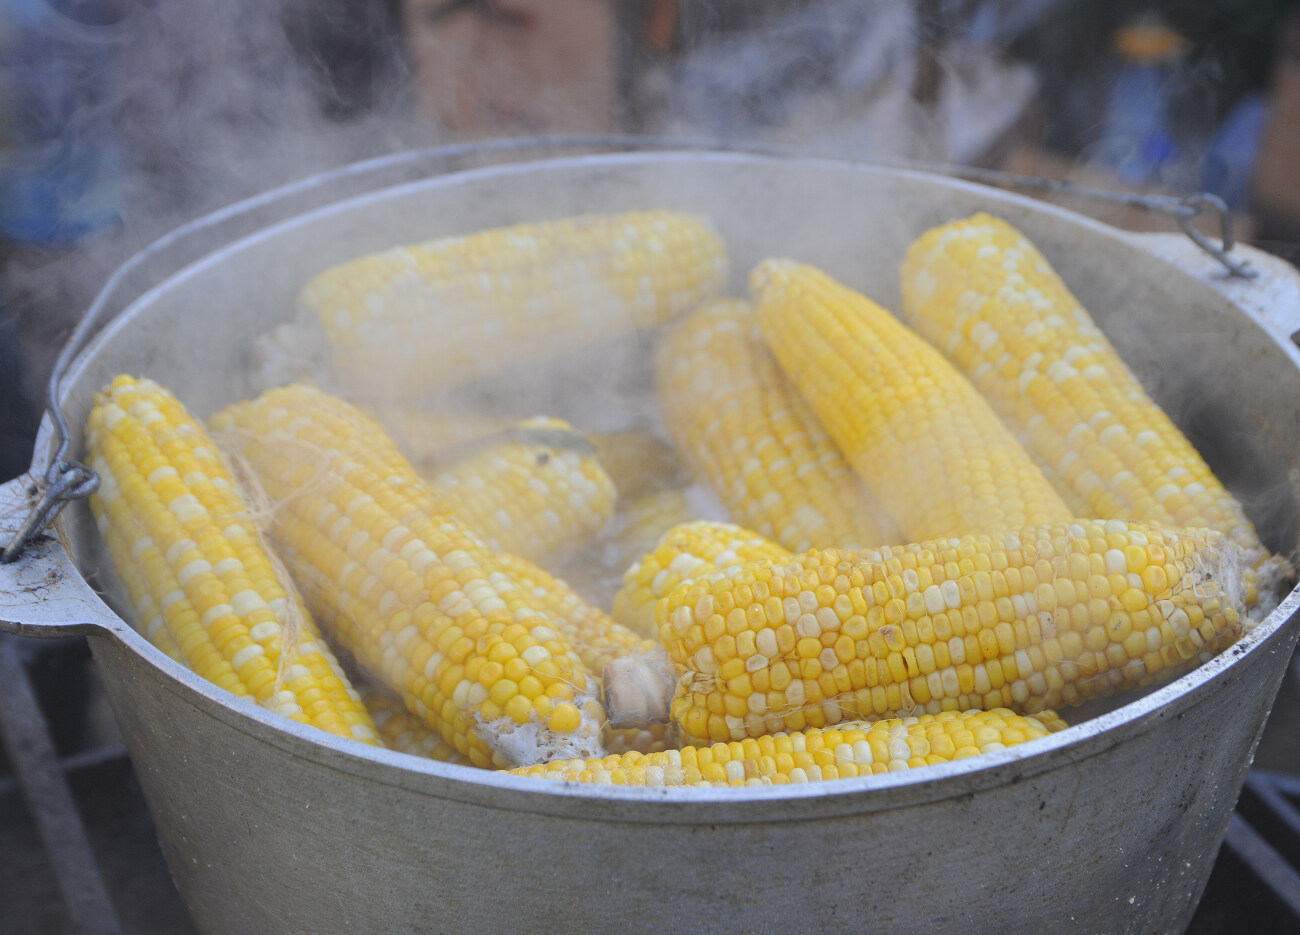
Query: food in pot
407	588
923	440
595	637
1047	615
417	318
536	491
758	444
813	755
983	294
402	731
186	547
685	552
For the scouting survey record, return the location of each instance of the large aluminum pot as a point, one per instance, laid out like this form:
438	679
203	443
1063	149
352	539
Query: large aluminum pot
1109	826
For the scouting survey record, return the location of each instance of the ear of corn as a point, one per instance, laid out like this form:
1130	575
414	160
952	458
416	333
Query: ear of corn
1041	617
416	318
593	634
813	755
981	292
685	552
539	492
406	588
205	590
743	429
402	731
924	441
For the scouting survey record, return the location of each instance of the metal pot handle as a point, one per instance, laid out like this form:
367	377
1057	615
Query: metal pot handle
41	591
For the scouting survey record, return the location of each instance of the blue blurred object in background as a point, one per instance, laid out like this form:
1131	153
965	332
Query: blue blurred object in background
61	170
1229	163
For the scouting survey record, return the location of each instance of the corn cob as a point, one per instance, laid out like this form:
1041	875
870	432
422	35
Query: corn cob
685	552
594	636
982	293
1045	616
538	493
927	445
406	588
743	429
402	731
416	318
856	748
185	547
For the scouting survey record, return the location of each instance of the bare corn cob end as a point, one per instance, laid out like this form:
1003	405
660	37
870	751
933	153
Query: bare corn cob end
1041	617
202	586
407	589
815	754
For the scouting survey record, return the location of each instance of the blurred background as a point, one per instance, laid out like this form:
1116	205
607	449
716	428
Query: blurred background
120	119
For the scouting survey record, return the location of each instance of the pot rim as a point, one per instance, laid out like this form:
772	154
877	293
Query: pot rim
690	805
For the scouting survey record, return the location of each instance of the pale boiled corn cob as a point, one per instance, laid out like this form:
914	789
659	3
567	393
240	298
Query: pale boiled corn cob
741	427
985	296
920	436
407	588
538	492
684	553
185	546
416	318
816	754
404	732
1041	617
593	634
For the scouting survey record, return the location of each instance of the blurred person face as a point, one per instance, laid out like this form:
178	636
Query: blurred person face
515	66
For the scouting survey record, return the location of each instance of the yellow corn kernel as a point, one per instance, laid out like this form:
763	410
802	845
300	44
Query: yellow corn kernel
918	434
742	428
852	748
194	567
1024	656
397	578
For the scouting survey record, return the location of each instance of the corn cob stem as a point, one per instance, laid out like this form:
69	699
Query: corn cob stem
919	435
185	547
406	588
1045	616
744	429
813	755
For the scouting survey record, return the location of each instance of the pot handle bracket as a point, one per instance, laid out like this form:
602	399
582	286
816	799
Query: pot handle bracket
41	592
